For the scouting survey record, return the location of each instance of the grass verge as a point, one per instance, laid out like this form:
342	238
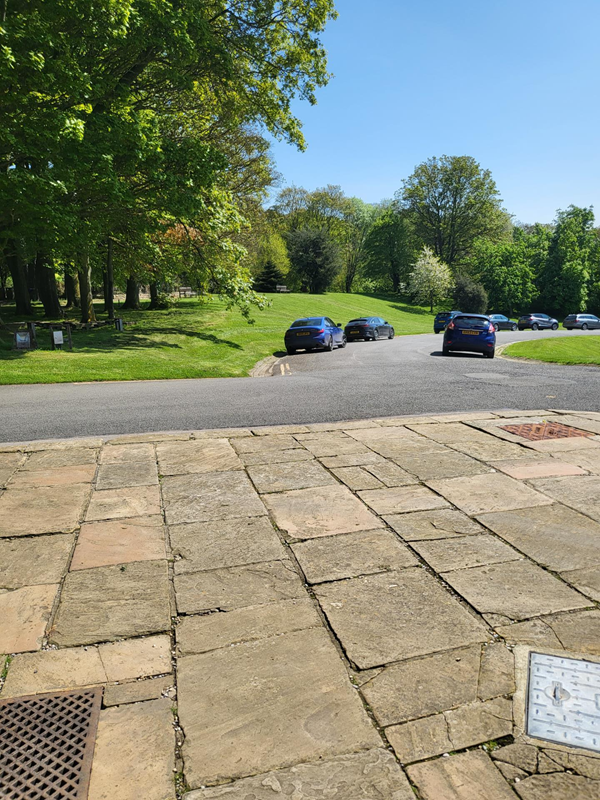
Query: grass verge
585	350
195	339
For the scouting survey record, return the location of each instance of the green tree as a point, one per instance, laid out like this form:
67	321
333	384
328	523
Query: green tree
359	218
268	279
572	258
507	273
315	259
430	280
452	202
390	249
469	296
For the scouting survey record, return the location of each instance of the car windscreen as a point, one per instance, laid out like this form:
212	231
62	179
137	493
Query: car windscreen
471	322
313	322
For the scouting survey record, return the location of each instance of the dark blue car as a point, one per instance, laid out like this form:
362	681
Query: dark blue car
442	319
310	333
473	333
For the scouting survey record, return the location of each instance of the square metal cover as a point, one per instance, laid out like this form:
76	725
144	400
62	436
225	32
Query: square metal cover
563	701
535	431
47	745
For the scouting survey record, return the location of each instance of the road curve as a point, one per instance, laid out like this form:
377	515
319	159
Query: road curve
407	375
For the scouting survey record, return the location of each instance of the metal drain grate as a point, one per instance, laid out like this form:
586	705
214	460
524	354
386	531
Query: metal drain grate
545	430
47	744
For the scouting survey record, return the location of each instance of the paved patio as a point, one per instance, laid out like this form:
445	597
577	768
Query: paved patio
314	612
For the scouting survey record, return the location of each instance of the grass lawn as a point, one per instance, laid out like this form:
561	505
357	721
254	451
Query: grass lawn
195	339
585	350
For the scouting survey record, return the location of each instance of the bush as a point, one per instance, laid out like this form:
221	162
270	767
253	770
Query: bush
470	296
269	278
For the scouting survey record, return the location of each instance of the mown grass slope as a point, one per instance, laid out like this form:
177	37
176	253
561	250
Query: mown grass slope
571	350
195	339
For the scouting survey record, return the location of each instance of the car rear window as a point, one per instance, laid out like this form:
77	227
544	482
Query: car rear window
356	321
444	315
307	323
471	322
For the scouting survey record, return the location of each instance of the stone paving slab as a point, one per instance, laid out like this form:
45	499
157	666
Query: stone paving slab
516	590
139	501
295	609
236	587
216	495
108	603
200	634
445	555
396	615
358	776
425	525
282	477
554	536
323	511
402	499
24	615
215	544
132	473
56	476
34	560
299	706
203	455
465	776
41	510
493	492
333	558
124	733
101	544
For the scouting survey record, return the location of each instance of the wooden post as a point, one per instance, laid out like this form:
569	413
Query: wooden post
32	336
52	338
69	337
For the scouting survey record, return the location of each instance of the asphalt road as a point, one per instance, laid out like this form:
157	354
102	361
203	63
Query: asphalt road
407	375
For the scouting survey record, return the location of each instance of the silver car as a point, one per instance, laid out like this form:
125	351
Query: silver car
582	321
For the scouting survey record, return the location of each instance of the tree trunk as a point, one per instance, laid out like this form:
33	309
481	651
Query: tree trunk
132	295
153	296
72	291
85	287
109	284
31	282
19	279
45	280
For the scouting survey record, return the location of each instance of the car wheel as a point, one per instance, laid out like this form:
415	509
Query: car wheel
535	326
290	351
375	334
329	346
344	342
491	354
446	351
391	336
513	327
555	326
584	327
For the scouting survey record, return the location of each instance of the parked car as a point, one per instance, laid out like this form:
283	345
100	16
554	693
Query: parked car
502	323
535	321
582	321
310	333
472	333
368	328
442	319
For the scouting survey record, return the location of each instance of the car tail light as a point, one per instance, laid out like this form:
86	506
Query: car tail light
450	326
321	331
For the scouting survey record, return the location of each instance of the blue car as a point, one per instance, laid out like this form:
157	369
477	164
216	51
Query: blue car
310	333
473	333
442	319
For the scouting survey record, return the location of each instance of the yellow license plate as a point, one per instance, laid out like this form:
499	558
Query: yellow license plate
471	333
304	333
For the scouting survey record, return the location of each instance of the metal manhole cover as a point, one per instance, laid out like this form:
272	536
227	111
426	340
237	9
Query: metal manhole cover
47	744
563	701
546	430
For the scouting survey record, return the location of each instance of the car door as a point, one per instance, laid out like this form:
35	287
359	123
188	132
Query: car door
335	331
384	329
594	322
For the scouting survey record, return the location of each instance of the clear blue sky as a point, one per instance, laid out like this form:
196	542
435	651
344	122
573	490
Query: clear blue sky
513	84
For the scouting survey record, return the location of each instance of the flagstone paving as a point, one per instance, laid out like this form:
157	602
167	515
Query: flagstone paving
310	611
